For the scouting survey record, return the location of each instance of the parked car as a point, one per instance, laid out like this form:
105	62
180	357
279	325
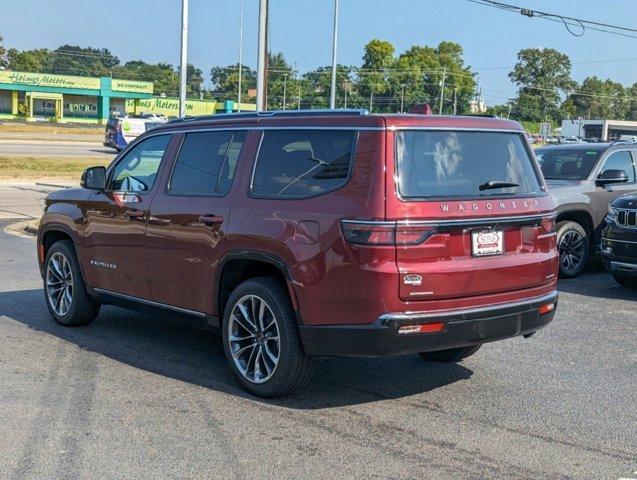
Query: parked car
570	140
619	240
583	179
304	234
121	131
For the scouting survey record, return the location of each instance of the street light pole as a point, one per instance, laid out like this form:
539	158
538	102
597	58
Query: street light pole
285	88
240	57
334	46
402	98
184	58
261	53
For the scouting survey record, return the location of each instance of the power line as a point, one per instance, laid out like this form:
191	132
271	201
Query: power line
568	22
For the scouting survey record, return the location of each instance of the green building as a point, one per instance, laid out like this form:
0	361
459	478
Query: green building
68	98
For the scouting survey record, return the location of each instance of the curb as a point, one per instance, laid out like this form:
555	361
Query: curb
27	228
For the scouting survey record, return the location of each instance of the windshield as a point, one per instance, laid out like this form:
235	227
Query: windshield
566	164
464	164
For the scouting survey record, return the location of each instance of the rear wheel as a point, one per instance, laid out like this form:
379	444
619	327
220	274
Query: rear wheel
261	339
573	245
451	355
625	280
64	288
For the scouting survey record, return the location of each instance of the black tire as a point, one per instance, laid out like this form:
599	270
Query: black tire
82	309
451	355
573	244
294	367
625	280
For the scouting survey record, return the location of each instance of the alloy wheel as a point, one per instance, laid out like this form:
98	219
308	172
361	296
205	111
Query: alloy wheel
572	249
253	337
59	284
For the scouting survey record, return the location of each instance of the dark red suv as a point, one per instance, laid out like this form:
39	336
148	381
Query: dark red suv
312	233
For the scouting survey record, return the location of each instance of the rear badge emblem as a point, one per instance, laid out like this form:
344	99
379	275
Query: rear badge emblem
412	279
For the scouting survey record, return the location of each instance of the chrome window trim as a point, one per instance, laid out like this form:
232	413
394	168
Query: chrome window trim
454	129
150	302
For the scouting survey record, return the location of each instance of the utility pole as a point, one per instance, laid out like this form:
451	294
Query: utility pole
298	105
371	101
455	100
285	87
240	56
442	89
184	58
334	45
346	88
402	98
261	54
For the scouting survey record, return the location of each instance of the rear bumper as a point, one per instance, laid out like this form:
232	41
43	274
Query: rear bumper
462	328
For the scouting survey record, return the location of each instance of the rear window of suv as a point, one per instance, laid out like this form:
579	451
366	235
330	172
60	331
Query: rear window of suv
434	163
302	163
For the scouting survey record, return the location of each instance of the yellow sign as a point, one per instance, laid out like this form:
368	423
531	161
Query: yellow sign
46	80
131	86
170	106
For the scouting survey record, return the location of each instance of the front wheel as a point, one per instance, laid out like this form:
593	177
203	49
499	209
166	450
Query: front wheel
573	245
625	280
451	355
64	288
261	339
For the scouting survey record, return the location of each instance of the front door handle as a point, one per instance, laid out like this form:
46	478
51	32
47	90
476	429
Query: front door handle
210	219
133	214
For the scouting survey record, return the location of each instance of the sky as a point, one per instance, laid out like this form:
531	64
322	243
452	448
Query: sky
302	31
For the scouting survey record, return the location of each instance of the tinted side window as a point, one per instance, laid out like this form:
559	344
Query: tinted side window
206	163
137	170
620	161
302	163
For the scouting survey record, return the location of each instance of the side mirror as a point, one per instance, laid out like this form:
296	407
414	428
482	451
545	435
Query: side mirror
94	178
612	176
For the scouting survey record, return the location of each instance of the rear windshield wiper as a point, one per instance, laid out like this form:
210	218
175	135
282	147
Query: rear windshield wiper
496	184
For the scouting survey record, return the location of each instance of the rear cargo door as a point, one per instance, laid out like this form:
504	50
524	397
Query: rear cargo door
472	214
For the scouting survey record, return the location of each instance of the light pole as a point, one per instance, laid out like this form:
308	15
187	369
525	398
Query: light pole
285	89
402	98
334	46
184	58
346	88
261	53
455	100
298	106
240	56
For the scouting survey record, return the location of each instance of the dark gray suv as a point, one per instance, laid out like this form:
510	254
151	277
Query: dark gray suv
583	178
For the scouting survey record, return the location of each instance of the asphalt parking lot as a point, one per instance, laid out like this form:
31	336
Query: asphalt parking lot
132	396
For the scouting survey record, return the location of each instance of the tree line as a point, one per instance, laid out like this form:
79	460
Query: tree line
386	81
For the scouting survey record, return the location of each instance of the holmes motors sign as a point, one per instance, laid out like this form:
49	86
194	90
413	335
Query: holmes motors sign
46	80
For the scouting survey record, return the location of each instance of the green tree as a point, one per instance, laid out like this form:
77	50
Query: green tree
596	98
26	60
543	77
378	58
225	81
85	61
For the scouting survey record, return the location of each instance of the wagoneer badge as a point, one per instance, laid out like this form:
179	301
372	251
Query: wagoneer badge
412	279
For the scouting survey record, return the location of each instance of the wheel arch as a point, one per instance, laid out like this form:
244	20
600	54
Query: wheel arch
239	266
52	233
581	217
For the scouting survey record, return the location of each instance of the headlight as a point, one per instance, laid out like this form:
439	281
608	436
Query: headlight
612	214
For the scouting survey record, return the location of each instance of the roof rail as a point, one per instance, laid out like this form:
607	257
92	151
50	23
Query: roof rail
273	113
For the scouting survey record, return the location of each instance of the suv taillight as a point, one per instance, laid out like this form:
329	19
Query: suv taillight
379	233
548	223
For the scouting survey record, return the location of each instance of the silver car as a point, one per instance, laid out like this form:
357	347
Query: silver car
583	178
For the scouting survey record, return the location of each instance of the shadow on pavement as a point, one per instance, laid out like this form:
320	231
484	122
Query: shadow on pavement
168	347
599	284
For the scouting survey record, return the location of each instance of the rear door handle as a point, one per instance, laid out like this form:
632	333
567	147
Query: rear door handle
134	214
210	219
